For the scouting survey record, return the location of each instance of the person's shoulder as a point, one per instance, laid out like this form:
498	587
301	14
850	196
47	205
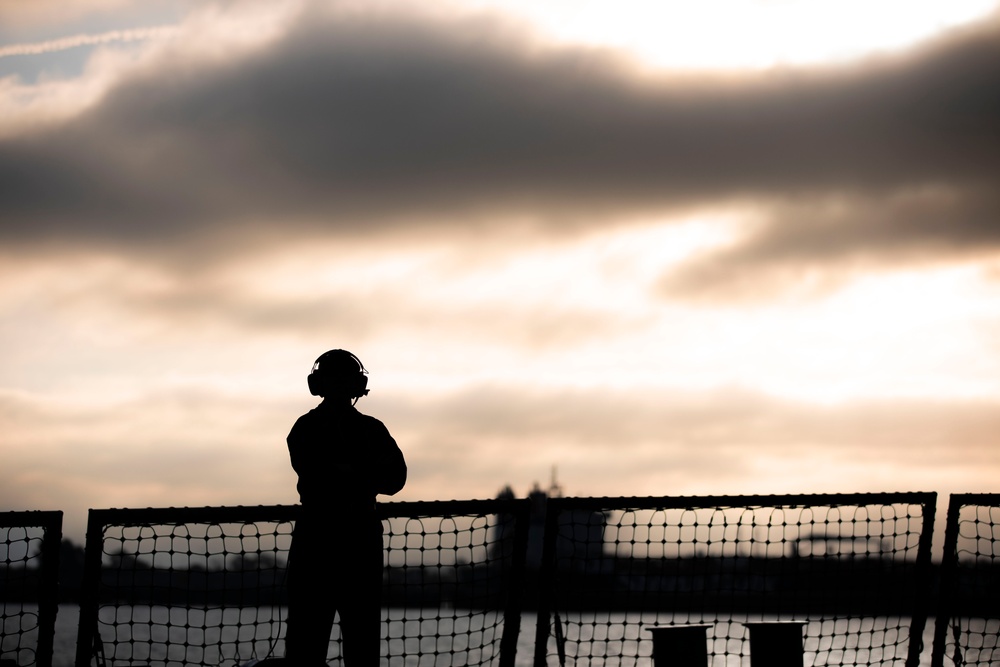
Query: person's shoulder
309	416
308	419
369	421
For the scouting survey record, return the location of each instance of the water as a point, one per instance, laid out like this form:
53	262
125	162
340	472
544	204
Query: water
827	642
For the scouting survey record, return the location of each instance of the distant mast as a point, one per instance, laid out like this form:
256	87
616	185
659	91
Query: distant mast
554	490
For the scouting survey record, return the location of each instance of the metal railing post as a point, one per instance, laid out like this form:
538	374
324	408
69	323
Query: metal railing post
776	644
680	646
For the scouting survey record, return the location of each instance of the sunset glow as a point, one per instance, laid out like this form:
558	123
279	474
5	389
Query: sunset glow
738	34
664	252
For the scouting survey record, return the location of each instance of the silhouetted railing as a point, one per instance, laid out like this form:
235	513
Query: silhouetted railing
855	569
29	570
205	586
968	618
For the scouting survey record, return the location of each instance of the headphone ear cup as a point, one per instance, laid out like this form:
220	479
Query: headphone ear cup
356	387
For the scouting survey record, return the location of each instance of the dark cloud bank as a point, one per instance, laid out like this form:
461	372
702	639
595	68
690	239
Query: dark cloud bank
350	124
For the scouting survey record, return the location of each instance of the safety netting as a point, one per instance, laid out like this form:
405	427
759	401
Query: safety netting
29	549
852	569
968	622
206	586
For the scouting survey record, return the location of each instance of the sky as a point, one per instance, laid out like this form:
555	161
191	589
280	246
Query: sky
653	248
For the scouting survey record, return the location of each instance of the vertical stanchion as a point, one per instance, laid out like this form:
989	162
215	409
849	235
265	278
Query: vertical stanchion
949	579
48	602
922	594
775	644
87	636
680	646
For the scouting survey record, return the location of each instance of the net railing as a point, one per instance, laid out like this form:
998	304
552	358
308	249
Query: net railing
967	627
853	569
29	570
205	586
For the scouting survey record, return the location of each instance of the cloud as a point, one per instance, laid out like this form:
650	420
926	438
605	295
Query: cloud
591	418
696	442
74	41
540	299
808	247
445	197
354	123
230	448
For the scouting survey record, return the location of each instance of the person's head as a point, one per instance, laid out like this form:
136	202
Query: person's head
338	374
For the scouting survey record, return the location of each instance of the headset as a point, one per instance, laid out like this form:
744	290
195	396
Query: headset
339	374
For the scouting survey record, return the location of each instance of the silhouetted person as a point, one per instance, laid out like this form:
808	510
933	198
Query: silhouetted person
343	459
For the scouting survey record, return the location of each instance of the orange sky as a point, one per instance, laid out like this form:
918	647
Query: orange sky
754	262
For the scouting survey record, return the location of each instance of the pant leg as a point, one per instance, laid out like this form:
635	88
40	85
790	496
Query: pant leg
312	601
360	602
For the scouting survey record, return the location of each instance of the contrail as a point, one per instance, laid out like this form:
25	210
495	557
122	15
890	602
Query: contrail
64	43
